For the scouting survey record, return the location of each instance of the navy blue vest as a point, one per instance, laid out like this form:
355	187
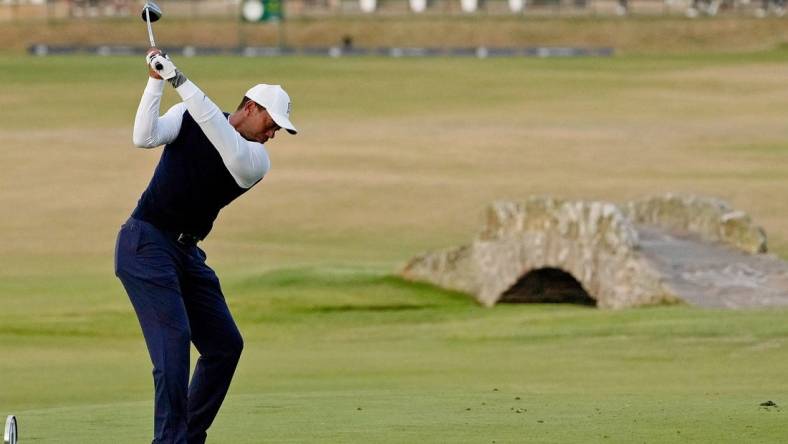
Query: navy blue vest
190	185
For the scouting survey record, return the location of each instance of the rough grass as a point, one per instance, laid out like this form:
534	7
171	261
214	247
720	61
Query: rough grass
394	157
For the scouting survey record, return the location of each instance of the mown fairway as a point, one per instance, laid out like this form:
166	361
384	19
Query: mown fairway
395	157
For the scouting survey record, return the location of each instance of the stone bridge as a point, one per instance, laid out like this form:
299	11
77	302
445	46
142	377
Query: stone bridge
658	250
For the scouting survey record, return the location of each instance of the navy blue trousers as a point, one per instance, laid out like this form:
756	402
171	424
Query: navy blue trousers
178	300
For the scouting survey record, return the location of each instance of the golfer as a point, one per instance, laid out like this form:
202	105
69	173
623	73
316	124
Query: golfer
209	159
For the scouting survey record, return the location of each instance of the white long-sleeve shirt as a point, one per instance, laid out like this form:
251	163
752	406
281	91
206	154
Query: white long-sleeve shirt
246	161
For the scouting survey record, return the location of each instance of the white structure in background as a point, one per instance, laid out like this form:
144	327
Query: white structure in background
469	5
516	5
368	5
418	5
253	10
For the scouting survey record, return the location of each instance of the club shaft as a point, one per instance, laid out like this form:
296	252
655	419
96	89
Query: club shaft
150	29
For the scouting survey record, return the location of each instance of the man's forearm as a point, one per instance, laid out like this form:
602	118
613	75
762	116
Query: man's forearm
150	129
147	114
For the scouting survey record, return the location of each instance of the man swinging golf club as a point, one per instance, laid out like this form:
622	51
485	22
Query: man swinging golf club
210	159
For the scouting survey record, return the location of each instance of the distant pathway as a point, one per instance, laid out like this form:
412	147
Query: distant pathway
715	275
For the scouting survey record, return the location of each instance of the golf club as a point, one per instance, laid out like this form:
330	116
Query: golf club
11	433
151	12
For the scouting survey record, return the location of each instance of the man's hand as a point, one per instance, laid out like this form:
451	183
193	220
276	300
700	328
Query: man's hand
152	72
162	65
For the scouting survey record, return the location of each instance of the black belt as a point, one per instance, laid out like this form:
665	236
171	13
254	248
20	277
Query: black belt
186	239
178	236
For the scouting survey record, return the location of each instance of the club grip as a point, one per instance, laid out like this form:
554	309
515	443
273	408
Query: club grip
159	67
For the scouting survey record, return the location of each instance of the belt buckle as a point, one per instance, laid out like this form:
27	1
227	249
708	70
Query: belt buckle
185	239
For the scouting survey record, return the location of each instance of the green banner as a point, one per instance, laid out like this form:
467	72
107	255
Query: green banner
273	10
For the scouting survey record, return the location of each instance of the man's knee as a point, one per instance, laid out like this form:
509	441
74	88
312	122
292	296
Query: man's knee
235	345
232	346
226	347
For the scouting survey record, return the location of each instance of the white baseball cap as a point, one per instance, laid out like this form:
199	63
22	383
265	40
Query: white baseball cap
274	99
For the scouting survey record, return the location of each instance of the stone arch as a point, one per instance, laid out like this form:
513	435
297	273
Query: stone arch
652	251
547	285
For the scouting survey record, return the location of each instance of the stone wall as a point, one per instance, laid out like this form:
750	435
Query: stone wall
711	219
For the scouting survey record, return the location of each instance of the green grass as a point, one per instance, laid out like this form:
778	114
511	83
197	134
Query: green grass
352	356
395	157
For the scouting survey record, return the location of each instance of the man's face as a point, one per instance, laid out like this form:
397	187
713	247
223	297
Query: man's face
260	126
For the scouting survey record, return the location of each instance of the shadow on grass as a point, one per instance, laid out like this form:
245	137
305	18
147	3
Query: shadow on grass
341	282
342	294
369	308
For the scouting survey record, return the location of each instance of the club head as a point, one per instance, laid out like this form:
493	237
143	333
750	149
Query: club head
11	434
153	9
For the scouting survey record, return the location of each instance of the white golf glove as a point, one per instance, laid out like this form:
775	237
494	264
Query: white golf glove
162	65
